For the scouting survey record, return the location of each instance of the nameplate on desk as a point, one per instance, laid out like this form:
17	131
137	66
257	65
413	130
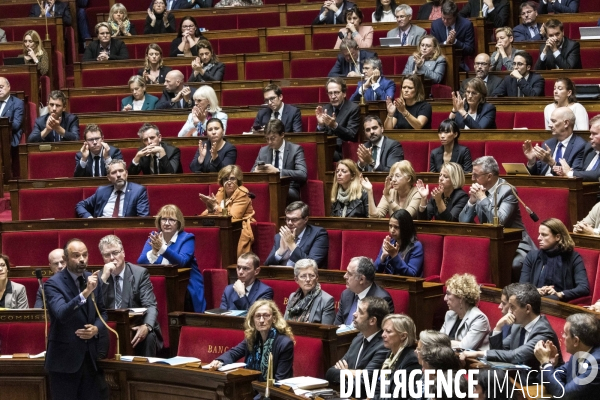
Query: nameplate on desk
21	355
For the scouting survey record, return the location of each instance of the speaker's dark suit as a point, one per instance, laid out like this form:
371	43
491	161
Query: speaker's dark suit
118	51
290	117
387	88
498	17
407	361
569	57
372	356
565	6
348	119
573	155
137	292
347	298
493	81
60	10
113	152
588	176
341	19
508	349
293	166
341	68
521	33
170	163
314	245
231	301
534	85
460	155
135	204
67	354
14	111
391	152
465	34
69	122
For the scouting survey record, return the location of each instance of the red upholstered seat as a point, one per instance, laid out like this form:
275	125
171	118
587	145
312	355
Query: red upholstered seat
558	324
590	260
432	250
349	149
458	261
246	155
14	242
215	281
399	64
159	287
31	288
262	203
187	155
241	97
308	357
133	240
305	94
231	72
335	290
264	236
187	197
281	291
91	238
491	310
505	120
112	346
334	258
596	292
359	243
589	58
441	92
63	165
285	42
308	68
208	247
418	154
109	102
238	45
21	81
324	40
311	159
378	191
437	117
271	69
42	203
529	119
505	152
22	337
207	343
306	17
537	199
476	147
254	20
237	126
216	22
108	77
400	298
312	194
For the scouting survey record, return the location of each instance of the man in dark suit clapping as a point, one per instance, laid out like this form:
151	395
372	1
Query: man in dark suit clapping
379	153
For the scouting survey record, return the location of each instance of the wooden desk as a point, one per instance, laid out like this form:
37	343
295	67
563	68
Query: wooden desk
23	379
276	393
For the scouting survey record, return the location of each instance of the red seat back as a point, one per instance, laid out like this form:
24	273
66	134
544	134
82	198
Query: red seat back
187	197
264	234
91	238
215	281
133	240
458	261
22	337
207	343
313	194
208	247
359	243
308	357
334	258
491	310
63	165
418	154
41	203
529	120
14	242
31	288
432	250
558	325
159	286
281	291
505	152
537	199
335	290
590	260
400	298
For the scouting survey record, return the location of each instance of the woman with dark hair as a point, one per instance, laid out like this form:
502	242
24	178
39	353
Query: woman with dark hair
349	198
427	60
206	67
556	269
450	150
354	29
448	199
233	199
187	39
564	96
154	72
431	10
159	20
473	112
12	295
401	252
410	110
238	3
214	153
384	11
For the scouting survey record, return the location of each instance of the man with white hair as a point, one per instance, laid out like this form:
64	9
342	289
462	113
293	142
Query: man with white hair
175	93
408	33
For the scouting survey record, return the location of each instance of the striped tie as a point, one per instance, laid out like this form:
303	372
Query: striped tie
118	294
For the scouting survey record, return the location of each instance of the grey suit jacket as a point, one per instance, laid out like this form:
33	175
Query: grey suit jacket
17	297
294	164
322	309
472	331
432	69
415	33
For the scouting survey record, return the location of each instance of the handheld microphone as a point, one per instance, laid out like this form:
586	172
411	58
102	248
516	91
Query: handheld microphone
38	275
341	35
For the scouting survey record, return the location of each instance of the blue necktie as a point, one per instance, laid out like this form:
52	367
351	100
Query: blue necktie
559	153
596	163
404	36
352	311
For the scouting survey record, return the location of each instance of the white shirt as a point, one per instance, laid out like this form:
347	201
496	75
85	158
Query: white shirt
152	258
529	327
3	104
110	205
83	164
564	148
378	158
279	110
138	104
387	16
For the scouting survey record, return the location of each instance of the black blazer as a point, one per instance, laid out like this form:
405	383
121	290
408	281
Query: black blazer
460	155
174	50
458	200
69	122
341	19
118	50
574	283
347	298
569	57
113	152
588	176
521	33
159	25
162	73
391	152
341	68
566	6
290	117
357	208
486	117
348	119
424	11
406	361
215	73
534	85
314	245
498	17
60	10
165	100
169	164
493	81
227	156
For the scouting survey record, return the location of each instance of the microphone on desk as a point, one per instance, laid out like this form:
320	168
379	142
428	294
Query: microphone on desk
270	380
118	353
38	275
532	214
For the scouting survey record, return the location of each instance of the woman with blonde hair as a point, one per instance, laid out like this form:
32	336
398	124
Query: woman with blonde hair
503	57
266	332
427	60
139	100
118	21
206	107
154	72
233	199
34	52
466	326
348	196
399	192
556	269
447	199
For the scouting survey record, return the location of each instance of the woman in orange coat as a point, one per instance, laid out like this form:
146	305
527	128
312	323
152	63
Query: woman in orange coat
235	198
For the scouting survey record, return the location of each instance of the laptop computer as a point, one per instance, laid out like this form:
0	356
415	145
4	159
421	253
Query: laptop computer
588	91
14	61
589	32
390	41
515	169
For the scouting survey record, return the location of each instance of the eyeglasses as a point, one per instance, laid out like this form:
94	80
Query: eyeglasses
112	254
270	99
188	26
334	93
481	64
307	277
519	64
168	220
477	176
292	220
92	140
258	317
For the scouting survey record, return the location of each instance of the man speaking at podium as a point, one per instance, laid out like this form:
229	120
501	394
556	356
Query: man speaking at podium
76	333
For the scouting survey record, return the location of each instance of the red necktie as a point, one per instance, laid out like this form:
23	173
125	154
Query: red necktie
117	205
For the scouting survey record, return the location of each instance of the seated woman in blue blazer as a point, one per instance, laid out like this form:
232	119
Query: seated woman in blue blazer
473	112
139	99
450	150
401	252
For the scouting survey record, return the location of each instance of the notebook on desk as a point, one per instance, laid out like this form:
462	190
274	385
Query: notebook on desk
390	41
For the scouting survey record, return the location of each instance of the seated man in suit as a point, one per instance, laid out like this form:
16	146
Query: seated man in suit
522	82
350	60
517	348
275	109
487	181
125	285
297	239
376	87
590	171
366	352
247	289
409	34
119	199
456	30
482	71
175	93
13	109
496	12
155	156
379	152
529	29
105	47
57	262
56	126
558	6
52	9
283	157
581	336
340	117
333	12
360	283
559	52
562	146
96	151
